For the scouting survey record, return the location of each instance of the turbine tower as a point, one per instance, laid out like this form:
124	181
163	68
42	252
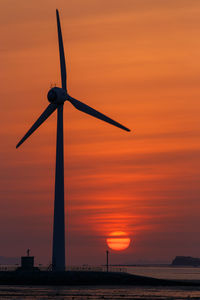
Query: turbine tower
57	97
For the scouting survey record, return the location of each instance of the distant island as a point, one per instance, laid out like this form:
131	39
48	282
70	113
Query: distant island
186	261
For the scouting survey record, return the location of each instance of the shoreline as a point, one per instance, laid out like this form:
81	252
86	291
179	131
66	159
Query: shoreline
86	278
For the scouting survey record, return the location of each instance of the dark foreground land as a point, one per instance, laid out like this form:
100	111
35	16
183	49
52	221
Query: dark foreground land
84	278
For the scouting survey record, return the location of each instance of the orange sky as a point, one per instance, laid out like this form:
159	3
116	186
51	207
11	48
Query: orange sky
139	63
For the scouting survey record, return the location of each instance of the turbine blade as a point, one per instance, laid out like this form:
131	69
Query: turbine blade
62	53
90	111
48	111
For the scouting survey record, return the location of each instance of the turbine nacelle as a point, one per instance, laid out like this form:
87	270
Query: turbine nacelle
57	95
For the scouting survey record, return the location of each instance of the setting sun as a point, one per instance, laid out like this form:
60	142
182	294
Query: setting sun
118	240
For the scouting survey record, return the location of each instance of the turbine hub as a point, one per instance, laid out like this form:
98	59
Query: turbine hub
57	95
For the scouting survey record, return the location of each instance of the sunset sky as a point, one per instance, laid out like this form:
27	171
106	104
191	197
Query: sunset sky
138	61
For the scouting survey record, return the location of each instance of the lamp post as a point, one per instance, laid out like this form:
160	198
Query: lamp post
107	253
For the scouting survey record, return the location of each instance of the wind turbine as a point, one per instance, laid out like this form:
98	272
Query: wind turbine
57	97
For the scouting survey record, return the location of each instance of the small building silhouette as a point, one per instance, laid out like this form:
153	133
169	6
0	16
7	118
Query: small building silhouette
27	263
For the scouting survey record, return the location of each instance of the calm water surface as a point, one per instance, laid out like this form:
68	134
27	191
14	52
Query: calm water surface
45	292
165	272
114	292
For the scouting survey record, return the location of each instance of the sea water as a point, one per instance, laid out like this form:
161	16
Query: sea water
104	292
114	292
166	272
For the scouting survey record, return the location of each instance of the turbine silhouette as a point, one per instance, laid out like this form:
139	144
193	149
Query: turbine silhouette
57	97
